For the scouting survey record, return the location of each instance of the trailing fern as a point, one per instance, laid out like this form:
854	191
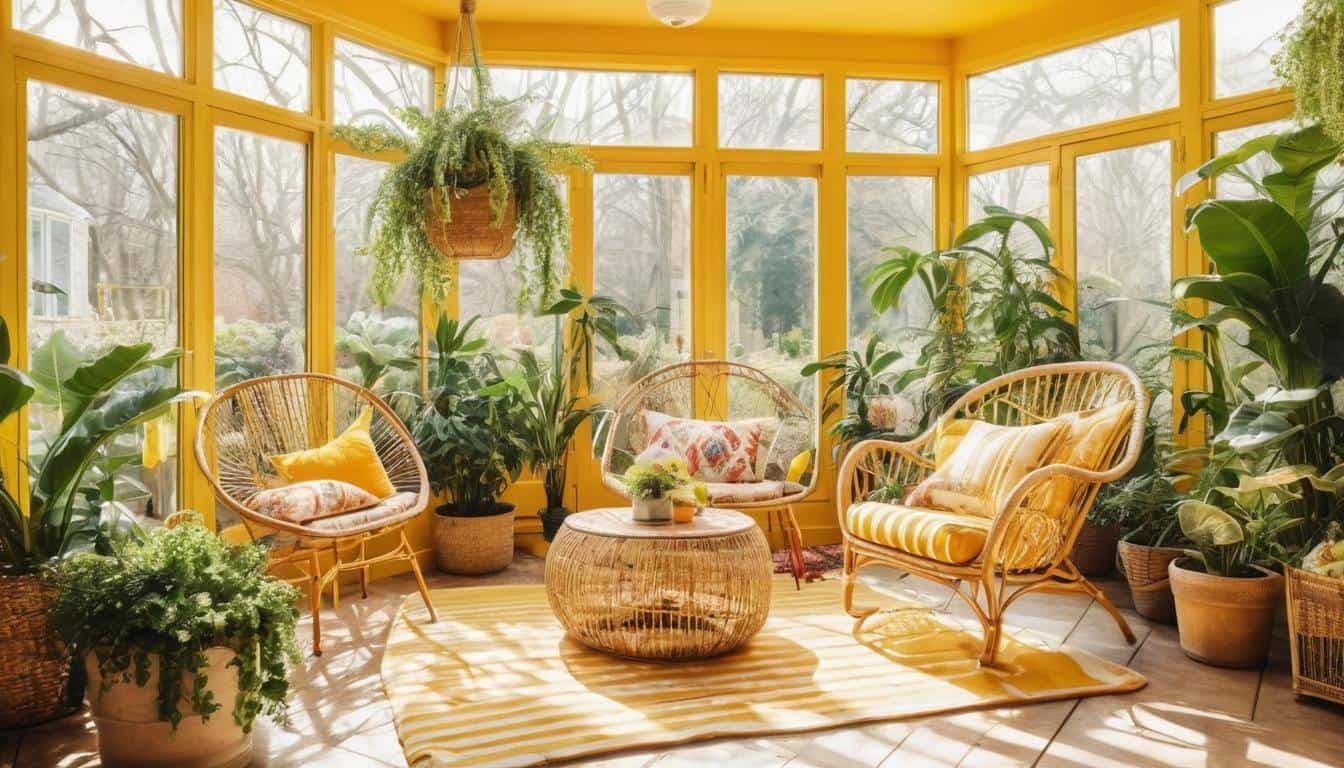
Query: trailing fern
1312	63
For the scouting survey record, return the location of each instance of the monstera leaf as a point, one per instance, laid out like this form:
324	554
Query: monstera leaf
1207	525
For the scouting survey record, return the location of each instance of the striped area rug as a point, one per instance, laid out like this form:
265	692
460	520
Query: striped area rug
496	683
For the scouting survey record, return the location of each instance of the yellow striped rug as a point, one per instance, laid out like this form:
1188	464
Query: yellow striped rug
496	683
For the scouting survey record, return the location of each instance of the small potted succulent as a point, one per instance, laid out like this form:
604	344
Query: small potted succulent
658	486
184	639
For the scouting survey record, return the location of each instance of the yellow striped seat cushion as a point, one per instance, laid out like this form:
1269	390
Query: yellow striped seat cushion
948	537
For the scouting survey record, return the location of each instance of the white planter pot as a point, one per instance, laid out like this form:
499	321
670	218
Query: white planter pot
130	732
653	511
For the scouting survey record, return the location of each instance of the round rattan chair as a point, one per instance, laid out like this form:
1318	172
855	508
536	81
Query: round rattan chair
1028	545
720	390
250	421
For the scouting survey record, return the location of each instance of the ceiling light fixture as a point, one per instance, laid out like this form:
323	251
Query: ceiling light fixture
678	13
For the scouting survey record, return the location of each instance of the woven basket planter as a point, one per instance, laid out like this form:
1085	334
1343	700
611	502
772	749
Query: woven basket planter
473	546
471	233
1094	550
1316	634
1146	571
33	671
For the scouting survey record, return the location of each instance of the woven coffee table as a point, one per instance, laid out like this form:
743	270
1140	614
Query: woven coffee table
671	592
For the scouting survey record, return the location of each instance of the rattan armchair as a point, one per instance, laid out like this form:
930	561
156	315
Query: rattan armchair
720	390
253	420
1002	574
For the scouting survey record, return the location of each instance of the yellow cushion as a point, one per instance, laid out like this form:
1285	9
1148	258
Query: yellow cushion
986	464
351	458
947	436
1088	440
944	536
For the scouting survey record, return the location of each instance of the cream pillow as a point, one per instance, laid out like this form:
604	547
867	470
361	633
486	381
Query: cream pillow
311	500
987	462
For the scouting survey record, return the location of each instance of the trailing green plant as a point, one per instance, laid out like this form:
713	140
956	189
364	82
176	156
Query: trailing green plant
175	594
454	149
994	306
856	377
1311	62
1270	282
469	425
96	401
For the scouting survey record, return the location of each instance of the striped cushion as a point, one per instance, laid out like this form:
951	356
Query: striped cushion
944	536
987	463
1088	440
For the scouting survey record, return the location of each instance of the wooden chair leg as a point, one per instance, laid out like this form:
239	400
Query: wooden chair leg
315	601
790	526
336	579
419	579
851	575
363	572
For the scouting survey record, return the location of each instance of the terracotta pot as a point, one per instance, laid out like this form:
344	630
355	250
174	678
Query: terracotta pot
1145	569
33	670
1224	621
473	546
1094	549
130	732
683	513
471	232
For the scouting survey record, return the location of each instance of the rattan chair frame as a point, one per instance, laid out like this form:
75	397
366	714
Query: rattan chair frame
709	382
993	582
235	480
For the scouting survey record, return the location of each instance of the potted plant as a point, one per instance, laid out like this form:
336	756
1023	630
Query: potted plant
468	428
1144	506
658	484
864	384
66	512
467	183
184	639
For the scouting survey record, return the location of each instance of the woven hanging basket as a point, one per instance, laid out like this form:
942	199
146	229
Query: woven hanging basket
472	232
33	670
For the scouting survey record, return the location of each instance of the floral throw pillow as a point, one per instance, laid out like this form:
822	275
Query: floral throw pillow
311	500
715	451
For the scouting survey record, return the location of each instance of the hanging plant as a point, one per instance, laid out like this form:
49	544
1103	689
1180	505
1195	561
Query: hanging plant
1311	61
469	186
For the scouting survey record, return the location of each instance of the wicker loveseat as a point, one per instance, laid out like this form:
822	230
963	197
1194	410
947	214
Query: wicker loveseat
723	391
1026	545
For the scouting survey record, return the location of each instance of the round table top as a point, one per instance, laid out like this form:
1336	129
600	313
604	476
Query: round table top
618	522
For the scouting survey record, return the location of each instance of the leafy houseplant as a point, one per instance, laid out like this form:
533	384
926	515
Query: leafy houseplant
469	430
862	380
656	484
551	413
994	310
1311	62
185	622
462	160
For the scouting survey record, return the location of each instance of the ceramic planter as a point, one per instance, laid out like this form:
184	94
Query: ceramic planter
130	732
652	511
473	546
1225	621
1145	569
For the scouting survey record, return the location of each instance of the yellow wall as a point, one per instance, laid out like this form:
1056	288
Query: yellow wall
701	51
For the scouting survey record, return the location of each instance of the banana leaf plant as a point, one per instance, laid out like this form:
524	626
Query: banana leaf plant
860	375
101	398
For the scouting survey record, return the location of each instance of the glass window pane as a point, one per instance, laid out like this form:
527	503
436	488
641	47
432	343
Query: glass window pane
369	84
642	258
1124	259
261	55
147	34
769	112
489	289
1245	37
1127	75
260	255
1021	189
102	199
886	211
772	276
602	108
391	333
891	116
